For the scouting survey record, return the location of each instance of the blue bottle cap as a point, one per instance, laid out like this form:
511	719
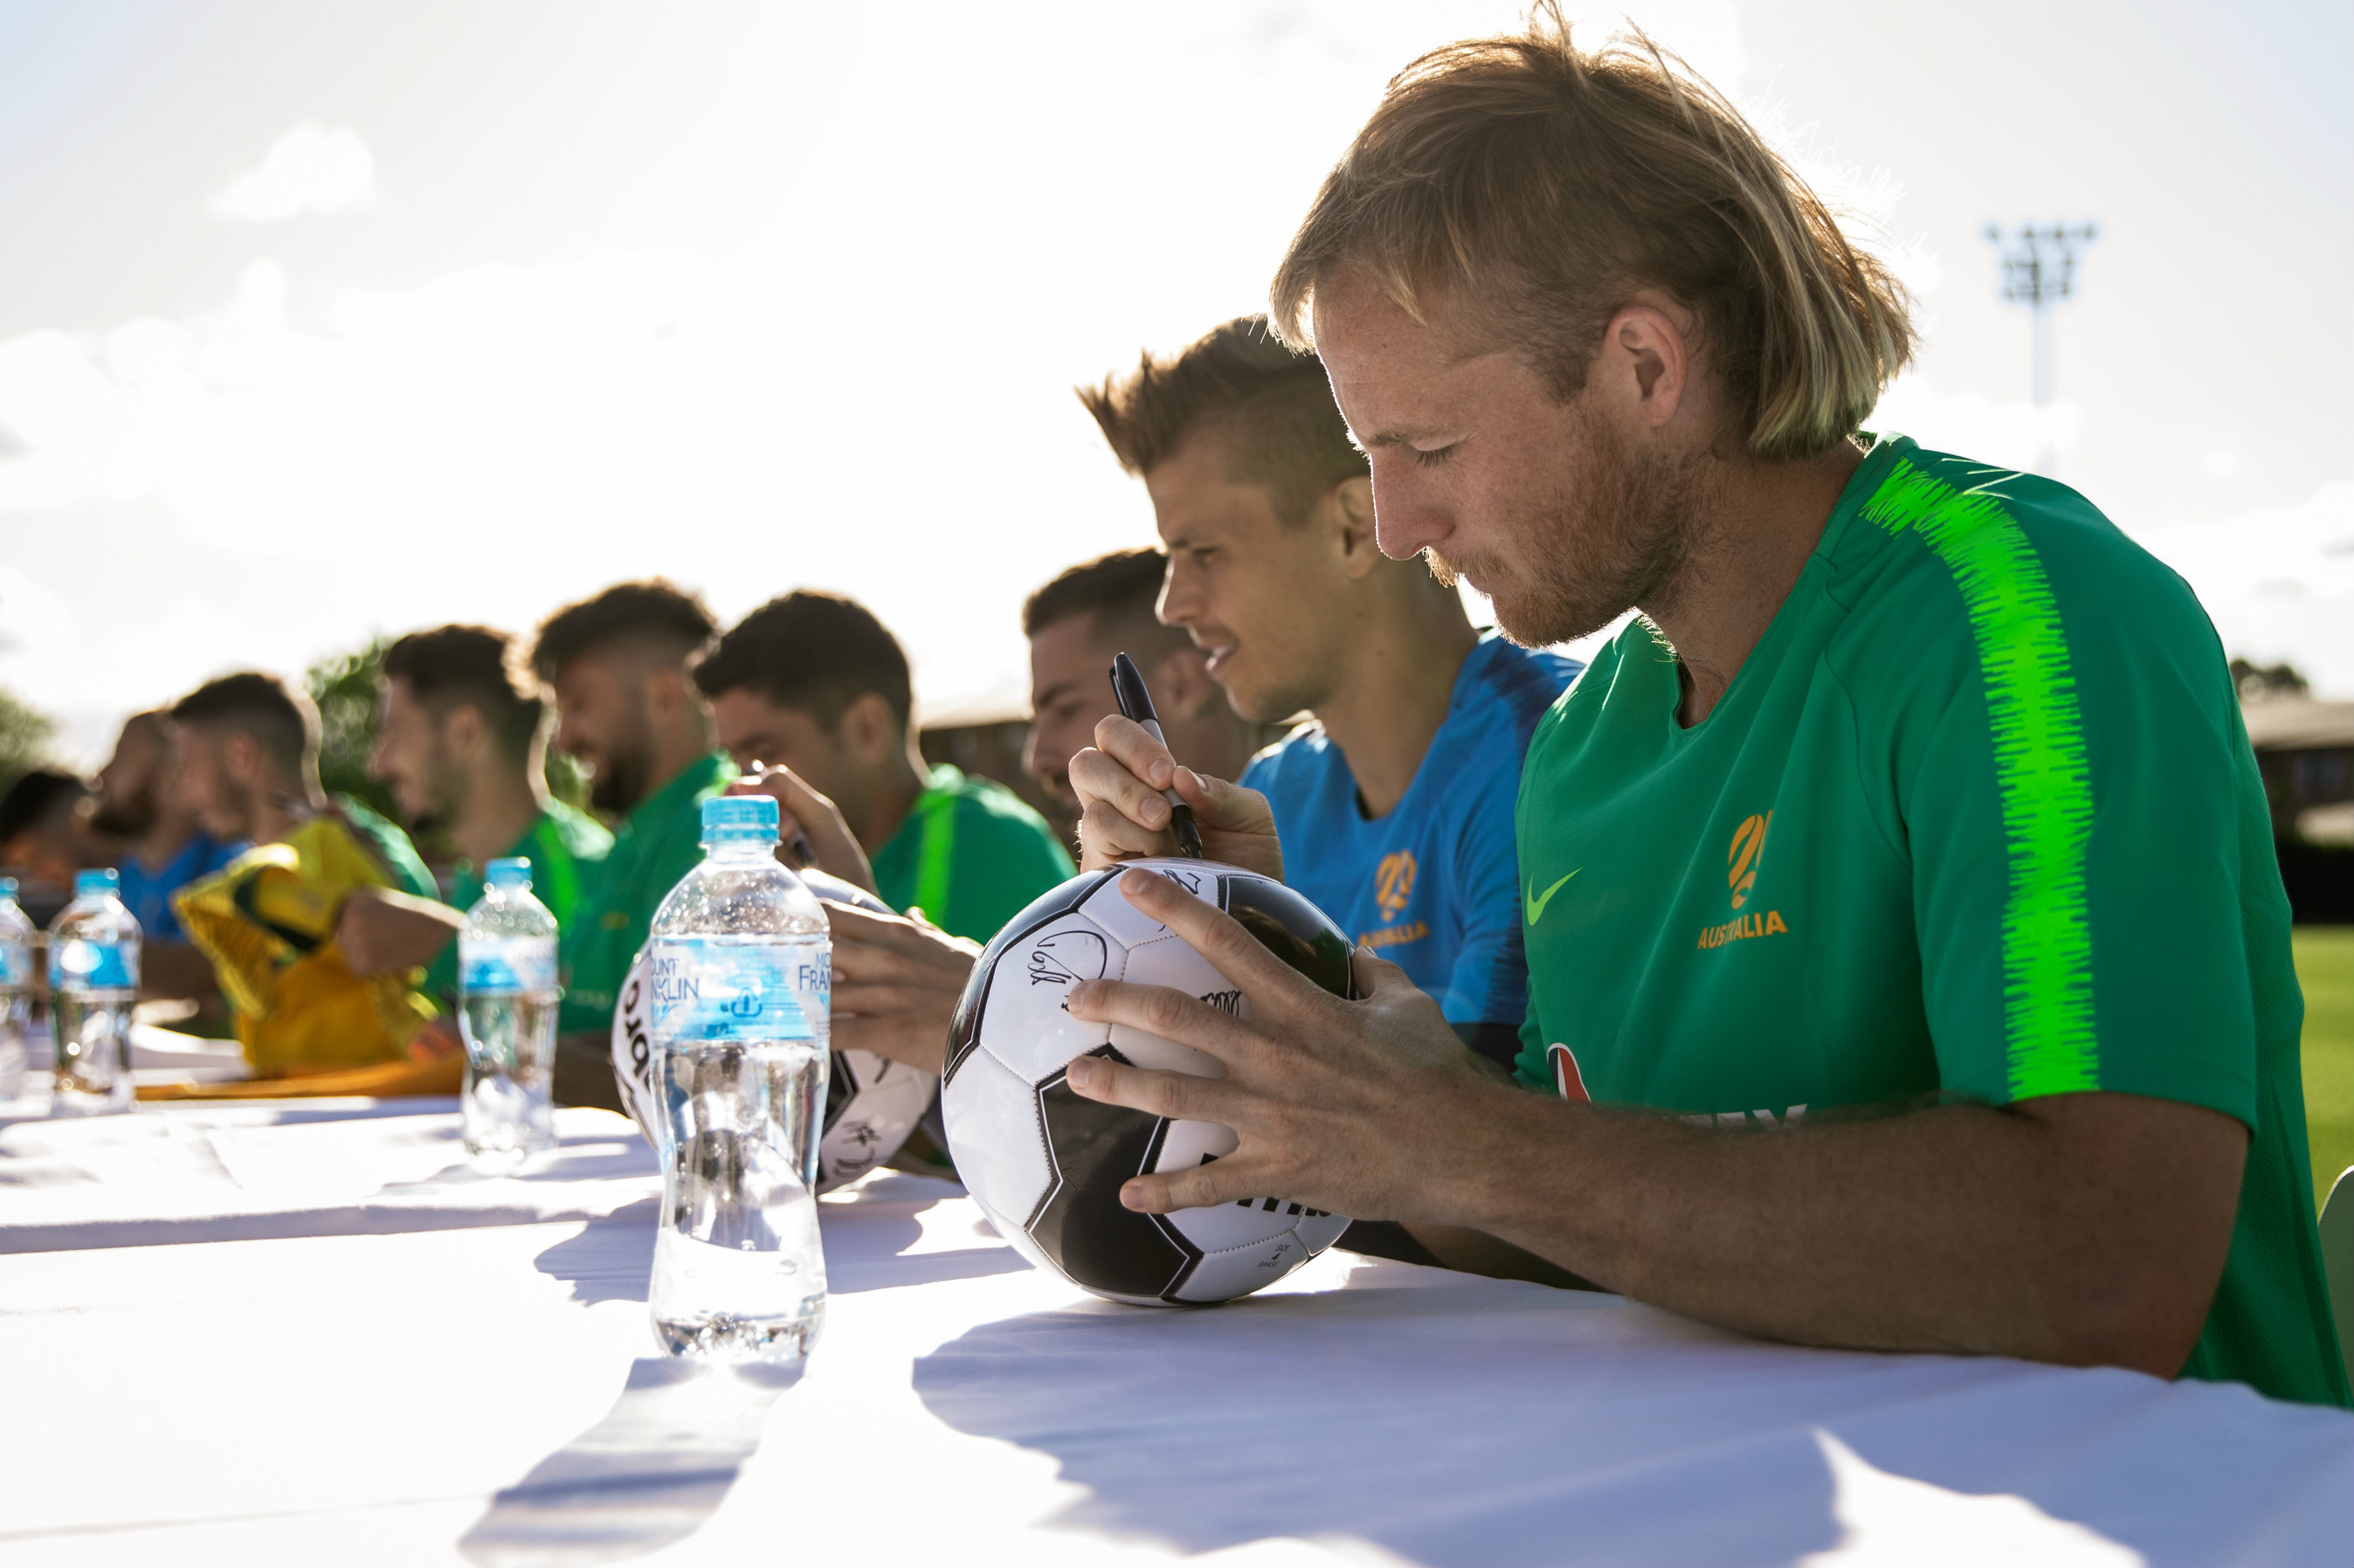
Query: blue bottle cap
91	883
739	819
7	887
513	870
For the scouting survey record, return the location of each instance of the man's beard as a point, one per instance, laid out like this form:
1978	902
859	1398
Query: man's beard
619	781
448	796
1619	536
129	818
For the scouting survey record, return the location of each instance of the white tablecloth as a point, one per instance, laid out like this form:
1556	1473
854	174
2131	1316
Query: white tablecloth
450	1369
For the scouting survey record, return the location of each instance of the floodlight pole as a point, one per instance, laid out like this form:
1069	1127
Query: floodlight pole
2039	271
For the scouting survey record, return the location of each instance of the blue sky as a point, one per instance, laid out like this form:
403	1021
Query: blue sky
316	321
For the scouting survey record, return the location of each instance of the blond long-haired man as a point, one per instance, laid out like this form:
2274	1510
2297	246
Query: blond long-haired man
1909	967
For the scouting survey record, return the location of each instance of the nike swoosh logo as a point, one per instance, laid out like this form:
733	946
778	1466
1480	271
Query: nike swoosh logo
1537	901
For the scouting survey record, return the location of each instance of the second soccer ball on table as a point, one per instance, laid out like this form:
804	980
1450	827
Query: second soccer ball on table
1046	1165
872	1104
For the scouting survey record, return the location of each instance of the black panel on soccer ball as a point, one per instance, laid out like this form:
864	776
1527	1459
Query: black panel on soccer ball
1081	1223
964	1032
1292	929
839	1088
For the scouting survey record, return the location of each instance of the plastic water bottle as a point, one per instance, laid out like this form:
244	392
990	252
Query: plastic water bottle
16	991
93	986
739	975
506	1010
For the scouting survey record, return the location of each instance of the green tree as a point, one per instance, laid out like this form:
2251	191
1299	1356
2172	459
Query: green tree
2257	682
25	733
345	687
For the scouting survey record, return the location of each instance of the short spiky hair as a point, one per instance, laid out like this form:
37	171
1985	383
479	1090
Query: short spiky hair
1121	586
1272	405
1535	186
812	651
655	611
263	706
451	666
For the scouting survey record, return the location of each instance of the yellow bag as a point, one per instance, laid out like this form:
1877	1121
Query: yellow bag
268	924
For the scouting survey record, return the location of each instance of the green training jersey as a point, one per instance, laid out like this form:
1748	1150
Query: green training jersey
564	844
391	847
660	842
969	855
1976	820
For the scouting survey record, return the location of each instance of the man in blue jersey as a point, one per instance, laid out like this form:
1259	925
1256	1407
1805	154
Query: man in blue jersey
1394	802
143	803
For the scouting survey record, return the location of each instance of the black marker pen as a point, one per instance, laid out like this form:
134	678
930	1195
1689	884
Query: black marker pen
1135	703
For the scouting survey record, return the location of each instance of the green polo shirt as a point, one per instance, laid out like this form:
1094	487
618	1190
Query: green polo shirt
564	844
1976	820
969	855
391	847
660	842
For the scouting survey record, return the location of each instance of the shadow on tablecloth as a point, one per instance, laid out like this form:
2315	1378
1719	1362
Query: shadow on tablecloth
647	1474
1482	1424
866	1243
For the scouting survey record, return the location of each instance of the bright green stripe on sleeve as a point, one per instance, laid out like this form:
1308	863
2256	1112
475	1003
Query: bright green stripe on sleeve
934	855
2042	778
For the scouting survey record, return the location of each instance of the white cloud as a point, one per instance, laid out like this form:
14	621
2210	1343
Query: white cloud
2278	583
504	439
2006	435
311	168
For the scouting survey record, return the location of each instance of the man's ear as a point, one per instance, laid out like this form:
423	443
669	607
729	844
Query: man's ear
463	729
869	730
1645	366
1181	682
1348	510
669	694
240	756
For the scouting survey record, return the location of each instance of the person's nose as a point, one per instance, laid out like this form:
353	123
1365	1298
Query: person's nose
1181	599
1408	514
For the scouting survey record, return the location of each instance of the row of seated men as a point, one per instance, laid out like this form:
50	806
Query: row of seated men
334	945
1992	1049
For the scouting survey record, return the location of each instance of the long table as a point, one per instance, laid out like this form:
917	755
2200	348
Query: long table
306	1332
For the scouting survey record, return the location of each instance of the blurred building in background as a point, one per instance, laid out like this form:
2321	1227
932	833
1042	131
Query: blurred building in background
2305	750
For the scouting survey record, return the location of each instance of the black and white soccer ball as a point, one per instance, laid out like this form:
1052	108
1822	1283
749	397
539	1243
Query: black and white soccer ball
1045	1165
872	1103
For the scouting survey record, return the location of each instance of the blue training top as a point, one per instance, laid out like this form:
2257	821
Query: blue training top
148	894
1432	886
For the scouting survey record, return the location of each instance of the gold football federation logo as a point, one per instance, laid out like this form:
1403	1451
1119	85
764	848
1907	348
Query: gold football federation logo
1394	883
1740	862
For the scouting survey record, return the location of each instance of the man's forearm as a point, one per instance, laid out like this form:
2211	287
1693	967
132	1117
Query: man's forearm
2086	1228
381	931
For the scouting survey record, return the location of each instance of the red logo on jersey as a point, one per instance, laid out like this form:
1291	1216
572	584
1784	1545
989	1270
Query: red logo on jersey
1566	1075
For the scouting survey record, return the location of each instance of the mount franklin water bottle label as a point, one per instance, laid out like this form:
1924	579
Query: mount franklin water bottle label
697	988
522	964
79	965
16	966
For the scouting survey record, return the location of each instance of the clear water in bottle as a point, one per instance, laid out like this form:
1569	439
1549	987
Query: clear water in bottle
739	965
16	991
93	986
507	1013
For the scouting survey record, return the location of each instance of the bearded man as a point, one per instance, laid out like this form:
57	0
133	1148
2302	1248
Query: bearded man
627	711
1864	1008
461	743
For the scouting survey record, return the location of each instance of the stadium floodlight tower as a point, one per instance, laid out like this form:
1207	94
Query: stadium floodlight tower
2039	271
